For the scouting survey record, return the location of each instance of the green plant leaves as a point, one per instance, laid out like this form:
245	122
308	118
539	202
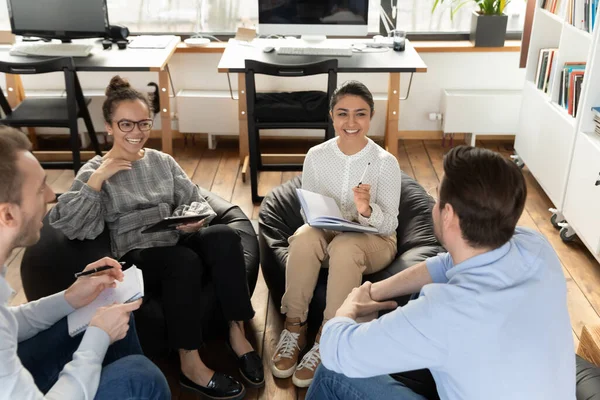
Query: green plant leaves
486	7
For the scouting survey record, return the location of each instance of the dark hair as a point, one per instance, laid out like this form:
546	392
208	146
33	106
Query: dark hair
352	88
487	191
119	90
11	142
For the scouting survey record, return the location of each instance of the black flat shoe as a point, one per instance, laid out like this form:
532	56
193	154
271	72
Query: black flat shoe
220	386
251	369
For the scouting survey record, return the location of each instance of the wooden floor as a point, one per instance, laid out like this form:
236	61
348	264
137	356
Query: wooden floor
218	170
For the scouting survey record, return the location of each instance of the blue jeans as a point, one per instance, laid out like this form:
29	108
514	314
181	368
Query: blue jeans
330	385
126	373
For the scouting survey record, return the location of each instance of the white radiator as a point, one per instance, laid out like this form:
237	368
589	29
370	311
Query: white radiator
481	112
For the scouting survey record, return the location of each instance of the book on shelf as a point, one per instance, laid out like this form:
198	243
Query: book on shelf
545	69
596	112
567	87
572	101
580	13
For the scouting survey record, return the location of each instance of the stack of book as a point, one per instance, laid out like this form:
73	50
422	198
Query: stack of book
596	111
571	79
582	13
579	13
555	6
545	68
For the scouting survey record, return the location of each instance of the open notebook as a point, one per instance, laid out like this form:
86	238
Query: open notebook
131	289
323	212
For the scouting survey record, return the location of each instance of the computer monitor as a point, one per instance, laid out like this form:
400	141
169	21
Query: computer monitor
59	19
311	18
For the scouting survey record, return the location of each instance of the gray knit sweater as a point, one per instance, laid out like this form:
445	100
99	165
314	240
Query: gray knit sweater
156	187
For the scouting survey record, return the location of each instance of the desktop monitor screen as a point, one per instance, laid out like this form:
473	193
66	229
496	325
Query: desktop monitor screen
59	19
313	17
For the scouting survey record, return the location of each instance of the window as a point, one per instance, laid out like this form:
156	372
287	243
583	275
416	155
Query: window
415	16
225	16
214	16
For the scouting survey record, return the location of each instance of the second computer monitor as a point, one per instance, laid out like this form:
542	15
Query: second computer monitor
313	17
59	19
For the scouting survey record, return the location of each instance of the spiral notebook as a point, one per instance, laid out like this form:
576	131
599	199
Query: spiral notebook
131	289
323	212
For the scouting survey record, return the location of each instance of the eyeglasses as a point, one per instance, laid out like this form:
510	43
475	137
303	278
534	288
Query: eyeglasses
126	125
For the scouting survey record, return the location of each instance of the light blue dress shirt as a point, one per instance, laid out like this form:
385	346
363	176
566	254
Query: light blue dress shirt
493	327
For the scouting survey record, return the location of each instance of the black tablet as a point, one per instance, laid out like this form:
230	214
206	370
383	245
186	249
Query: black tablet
171	223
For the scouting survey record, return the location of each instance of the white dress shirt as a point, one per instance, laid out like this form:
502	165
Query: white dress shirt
330	172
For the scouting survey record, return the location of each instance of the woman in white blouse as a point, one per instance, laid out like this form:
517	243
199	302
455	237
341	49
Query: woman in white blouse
335	169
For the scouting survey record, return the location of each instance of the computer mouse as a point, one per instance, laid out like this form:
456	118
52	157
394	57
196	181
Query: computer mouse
268	49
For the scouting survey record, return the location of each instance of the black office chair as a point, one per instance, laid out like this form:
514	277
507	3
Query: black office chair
295	110
51	112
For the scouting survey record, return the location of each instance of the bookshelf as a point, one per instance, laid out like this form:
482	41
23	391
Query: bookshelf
561	150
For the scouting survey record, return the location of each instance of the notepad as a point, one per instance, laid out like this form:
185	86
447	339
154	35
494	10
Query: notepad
323	212
131	289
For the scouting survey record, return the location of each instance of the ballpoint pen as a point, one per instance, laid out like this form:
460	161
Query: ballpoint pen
363	175
95	270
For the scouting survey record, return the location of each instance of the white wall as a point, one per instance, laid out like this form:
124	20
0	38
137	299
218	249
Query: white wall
494	70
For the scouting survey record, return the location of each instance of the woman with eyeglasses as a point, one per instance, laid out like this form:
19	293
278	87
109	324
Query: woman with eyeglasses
131	188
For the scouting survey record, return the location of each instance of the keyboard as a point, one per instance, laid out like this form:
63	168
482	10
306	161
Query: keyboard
315	51
51	49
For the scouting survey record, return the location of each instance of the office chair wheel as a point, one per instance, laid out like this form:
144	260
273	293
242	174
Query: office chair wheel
567	234
517	160
554	222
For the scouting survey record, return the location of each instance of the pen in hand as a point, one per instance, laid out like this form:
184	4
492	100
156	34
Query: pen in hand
363	175
95	270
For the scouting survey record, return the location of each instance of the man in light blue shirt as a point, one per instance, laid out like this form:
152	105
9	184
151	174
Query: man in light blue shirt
491	320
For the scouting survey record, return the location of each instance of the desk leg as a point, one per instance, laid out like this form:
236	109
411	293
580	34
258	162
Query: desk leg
393	112
16	94
243	123
165	112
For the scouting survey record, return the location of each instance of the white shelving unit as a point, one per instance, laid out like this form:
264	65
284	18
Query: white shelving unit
563	152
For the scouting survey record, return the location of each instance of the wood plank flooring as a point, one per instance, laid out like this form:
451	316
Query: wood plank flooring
218	170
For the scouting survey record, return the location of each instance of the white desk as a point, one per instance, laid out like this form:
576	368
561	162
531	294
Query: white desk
371	60
114	60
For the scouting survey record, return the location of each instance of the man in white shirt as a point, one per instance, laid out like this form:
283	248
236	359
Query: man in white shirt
38	358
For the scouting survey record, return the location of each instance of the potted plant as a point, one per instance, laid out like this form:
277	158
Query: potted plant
488	24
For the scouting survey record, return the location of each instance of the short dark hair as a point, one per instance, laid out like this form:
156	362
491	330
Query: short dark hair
11	142
487	191
119	90
352	88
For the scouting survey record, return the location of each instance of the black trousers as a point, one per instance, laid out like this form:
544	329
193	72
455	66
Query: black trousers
181	277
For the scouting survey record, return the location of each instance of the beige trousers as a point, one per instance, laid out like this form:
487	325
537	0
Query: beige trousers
350	256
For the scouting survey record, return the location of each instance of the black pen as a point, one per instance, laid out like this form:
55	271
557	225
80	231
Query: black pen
95	270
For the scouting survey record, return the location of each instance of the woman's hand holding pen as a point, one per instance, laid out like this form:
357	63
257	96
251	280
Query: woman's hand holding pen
362	199
86	288
108	168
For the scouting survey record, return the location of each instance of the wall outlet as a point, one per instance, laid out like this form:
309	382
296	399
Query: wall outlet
435	116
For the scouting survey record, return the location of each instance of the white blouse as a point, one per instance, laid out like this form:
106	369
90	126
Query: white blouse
330	172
